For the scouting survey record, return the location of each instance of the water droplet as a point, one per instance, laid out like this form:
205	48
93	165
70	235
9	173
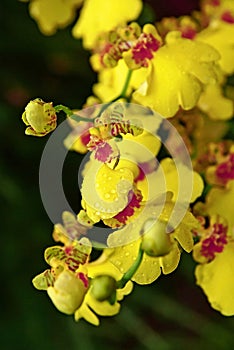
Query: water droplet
97	205
118	262
123	190
127	254
109	178
107	195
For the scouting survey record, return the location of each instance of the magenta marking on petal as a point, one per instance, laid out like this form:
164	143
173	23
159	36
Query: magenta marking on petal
146	168
227	17
188	33
225	170
68	250
103	152
85	138
142	51
133	203
141	175
83	278
215	242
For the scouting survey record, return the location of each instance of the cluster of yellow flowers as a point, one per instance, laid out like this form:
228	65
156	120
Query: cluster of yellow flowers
154	83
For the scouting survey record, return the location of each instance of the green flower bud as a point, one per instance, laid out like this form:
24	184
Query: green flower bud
40	117
104	288
155	241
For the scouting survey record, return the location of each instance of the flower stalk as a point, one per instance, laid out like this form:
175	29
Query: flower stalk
131	271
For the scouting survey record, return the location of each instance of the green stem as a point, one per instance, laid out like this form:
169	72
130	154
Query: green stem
63	108
121	95
127	81
69	113
129	274
78	118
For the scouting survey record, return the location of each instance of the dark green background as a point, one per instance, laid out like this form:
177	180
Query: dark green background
170	314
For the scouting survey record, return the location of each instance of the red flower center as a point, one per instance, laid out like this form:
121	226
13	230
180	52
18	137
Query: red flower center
228	17
225	170
215	242
144	48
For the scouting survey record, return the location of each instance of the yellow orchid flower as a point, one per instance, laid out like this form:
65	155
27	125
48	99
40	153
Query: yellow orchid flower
178	72
214	253
220	35
91	307
98	16
221	170
74	284
185	24
125	243
130	42
54	14
221	10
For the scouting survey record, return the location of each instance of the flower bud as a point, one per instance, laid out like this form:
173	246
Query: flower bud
40	117
103	287
68	292
155	241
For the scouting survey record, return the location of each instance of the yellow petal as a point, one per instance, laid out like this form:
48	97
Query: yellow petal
102	308
111	81
217	279
98	16
183	182
68	292
100	267
169	262
53	14
221	201
85	312
222	109
183	233
220	35
105	191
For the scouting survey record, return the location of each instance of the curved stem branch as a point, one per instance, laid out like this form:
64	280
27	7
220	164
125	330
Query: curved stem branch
129	274
121	95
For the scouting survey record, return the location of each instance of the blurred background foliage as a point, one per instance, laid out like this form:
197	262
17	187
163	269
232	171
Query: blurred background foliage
170	314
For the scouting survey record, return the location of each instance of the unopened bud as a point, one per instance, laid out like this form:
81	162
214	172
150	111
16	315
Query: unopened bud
155	241
40	117
103	288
